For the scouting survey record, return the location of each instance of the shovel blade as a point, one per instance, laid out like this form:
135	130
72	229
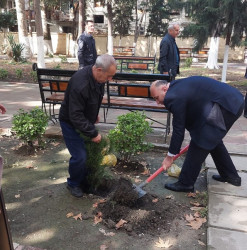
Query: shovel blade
139	191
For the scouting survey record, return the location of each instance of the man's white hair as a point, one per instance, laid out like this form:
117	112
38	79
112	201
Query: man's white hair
171	25
105	61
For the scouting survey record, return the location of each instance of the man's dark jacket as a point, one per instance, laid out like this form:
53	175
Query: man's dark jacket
87	53
82	101
191	101
168	57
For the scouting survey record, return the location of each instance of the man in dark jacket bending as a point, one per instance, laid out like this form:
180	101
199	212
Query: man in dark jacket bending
169	52
79	112
87	53
207	109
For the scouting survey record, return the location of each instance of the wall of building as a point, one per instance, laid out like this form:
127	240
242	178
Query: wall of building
146	46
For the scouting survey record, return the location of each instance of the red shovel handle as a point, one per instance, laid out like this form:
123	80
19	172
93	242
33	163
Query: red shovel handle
157	172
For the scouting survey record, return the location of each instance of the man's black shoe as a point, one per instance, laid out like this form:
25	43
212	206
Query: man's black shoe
179	187
235	181
75	191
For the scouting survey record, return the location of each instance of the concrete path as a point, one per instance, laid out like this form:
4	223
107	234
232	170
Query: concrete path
227	214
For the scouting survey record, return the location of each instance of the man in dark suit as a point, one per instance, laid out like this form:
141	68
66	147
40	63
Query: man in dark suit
207	109
169	52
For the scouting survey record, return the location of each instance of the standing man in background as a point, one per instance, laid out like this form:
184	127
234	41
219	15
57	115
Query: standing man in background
169	52
87	53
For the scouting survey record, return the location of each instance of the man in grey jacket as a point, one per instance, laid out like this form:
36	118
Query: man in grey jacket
87	53
169	52
78	114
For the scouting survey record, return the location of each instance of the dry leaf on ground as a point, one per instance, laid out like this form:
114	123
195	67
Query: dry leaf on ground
163	244
193	195
106	234
196	204
17	196
120	223
95	205
103	247
78	216
189	217
197	223
201	243
196	208
155	200
29	167
197	214
68	215
170	197
98	218
146	172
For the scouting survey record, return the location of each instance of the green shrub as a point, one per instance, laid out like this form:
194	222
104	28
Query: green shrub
63	59
34	76
19	73
3	73
30	126
16	48
58	66
188	62
127	138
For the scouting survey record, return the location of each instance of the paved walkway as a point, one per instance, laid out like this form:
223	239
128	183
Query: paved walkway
227	214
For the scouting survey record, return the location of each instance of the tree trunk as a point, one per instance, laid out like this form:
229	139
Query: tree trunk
82	17
22	28
228	39
74	31
40	37
109	20
46	29
212	62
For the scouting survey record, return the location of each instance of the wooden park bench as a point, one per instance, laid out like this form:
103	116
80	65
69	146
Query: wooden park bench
126	91
137	63
188	53
123	51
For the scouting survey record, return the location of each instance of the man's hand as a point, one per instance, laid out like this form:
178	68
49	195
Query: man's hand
167	162
97	139
2	109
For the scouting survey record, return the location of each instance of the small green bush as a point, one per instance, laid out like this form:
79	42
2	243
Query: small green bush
63	59
34	76
58	66
188	62
16	48
30	126
19	73
3	74
127	138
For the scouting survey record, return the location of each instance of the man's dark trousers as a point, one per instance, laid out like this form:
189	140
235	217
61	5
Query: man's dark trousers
196	156
77	162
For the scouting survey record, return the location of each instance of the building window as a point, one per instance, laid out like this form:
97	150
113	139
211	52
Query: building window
98	18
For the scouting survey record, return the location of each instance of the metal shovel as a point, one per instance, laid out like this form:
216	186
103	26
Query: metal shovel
139	189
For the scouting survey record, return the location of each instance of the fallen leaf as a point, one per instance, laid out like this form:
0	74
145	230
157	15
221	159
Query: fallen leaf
102	200
55	143
196	204
29	167
155	200
162	244
143	163
189	217
201	243
193	195
137	180
17	196
103	247
197	214
196	208
95	204
98	218
170	197
146	172
106	234
197	223
68	215
120	223
78	216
